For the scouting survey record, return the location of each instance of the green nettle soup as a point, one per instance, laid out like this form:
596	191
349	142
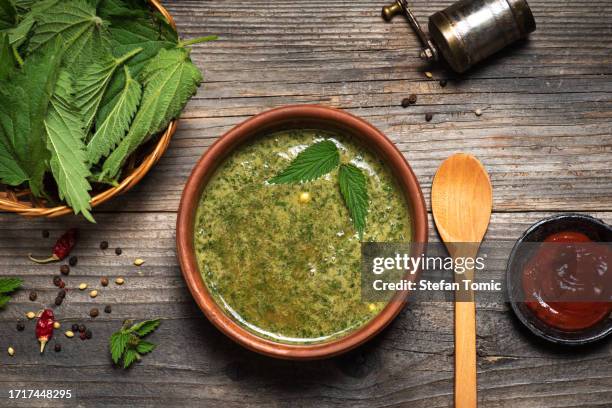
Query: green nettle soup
284	260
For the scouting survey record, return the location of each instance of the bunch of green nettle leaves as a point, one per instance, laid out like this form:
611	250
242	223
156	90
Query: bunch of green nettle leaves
83	83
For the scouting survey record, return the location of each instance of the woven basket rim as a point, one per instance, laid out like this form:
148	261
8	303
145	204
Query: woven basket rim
9	201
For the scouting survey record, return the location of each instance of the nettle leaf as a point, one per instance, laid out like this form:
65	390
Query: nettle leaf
353	186
8	14
65	141
24	102
313	162
145	347
7	59
146	327
91	85
8	285
114	120
118	343
74	22
19	33
169	80
130	357
4	300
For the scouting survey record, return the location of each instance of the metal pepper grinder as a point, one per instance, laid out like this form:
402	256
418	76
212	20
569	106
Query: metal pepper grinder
469	30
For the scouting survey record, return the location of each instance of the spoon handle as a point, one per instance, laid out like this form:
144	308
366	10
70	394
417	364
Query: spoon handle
465	355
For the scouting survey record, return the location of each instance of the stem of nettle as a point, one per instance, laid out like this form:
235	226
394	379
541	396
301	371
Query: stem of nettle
17	56
129	55
198	40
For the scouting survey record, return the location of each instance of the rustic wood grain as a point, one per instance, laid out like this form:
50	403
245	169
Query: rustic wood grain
545	137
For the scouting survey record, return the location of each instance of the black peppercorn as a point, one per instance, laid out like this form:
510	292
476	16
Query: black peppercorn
103	245
57	280
107	309
20	326
82	328
405	103
33	296
83	336
118	251
65	269
94	312
73	260
104	281
428	116
412	99
443	82
58	347
61	293
88	334
75	328
58	300
45	234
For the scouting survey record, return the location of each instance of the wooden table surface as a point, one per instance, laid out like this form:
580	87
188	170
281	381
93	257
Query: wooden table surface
545	137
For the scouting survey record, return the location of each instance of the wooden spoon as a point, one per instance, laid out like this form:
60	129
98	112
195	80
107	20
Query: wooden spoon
462	199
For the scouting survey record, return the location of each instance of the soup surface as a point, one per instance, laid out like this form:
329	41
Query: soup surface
286	269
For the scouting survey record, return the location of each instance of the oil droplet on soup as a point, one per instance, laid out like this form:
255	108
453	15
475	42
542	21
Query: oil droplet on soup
284	264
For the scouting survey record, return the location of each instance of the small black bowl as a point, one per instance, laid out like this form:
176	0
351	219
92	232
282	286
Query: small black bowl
597	231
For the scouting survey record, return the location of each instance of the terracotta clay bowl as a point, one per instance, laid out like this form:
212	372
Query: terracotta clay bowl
293	117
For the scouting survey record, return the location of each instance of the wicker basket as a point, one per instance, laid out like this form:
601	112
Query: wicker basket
22	202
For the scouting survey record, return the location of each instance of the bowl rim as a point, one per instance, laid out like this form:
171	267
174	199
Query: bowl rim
520	312
286	117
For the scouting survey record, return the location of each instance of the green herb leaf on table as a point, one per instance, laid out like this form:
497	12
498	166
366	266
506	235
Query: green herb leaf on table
8	286
65	141
113	120
310	164
353	186
127	343
169	80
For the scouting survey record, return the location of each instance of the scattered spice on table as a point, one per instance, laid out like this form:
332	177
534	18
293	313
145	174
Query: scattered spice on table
64	269
82	286
45	233
33	296
58	347
118	251
94	312
428	116
119	281
69	334
56	280
73	260
62	284
405	103
443	83
83	336
44	327
139	261
82	328
58	301
75	327
61	249
88	334
20	326
57	325
104	281
93	293
61	293
11	351
104	245
30	315
108	309
478	112
428	74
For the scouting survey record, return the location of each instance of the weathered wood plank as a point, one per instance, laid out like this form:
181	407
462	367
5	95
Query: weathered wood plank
410	363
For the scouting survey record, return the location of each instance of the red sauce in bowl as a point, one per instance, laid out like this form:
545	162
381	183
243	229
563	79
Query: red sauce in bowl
569	286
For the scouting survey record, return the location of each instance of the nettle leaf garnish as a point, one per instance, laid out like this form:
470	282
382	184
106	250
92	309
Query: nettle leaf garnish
8	286
320	159
127	343
315	161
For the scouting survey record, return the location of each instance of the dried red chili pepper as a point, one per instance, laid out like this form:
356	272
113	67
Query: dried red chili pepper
44	328
62	247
